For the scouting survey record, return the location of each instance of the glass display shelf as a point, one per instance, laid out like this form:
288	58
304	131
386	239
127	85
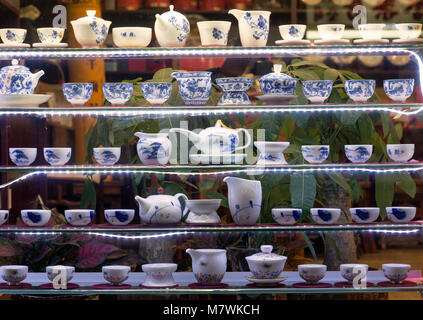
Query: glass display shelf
206	52
168	111
132	231
236	285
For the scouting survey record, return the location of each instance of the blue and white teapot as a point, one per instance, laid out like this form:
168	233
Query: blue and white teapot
161	209
171	28
16	79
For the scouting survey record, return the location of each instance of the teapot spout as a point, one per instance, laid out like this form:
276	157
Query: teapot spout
143	204
237	13
37	76
191	252
191	135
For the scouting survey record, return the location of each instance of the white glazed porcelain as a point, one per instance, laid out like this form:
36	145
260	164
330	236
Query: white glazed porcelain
118	93
315	153
364	214
78	93
171	28
265	264
4	215
400	214
331	31
244	197
292	31
13	274
409	30
349	271
79	217
35	218
161	209
398	90
216	140
57	156
312	273
208	265
277	82
22	156
358	153
153	148
396	272
371	31
90	31
132	37
400	152
54	271
159	274
325	215
16	79
107	156
203	211
271	152
253	27
116	274
50	35
12	35
214	33
119	217
286	216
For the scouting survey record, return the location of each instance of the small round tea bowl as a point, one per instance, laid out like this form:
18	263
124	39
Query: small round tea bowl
364	215
331	31
22	156
119	217
286	216
132	37
159	274
203	211
400	214
325	215
79	217
312	273
408	31
400	152
350	271
371	31
214	33
358	153
4	215
271	152
107	156
57	156
50	35
35	218
396	272
118	93
14	274
115	274
194	87
360	90
315	153
12	35
317	91
292	31
77	93
156	92
398	90
54	271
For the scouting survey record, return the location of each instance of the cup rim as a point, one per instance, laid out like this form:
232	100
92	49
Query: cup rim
330	24
50	28
136	28
204	23
125	210
41	211
116	267
14	29
79	211
108	148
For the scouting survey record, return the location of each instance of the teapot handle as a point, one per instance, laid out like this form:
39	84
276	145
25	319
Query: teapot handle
247	135
185	198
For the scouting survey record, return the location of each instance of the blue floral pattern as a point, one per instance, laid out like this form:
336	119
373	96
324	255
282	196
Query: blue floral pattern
294	32
360	90
234	91
317	90
194	87
10	35
100	30
77	93
49	36
209	279
182	26
118	93
260	27
398	90
156	92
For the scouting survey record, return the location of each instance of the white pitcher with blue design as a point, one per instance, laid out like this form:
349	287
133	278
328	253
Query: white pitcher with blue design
253	27
171	29
161	209
153	149
244	197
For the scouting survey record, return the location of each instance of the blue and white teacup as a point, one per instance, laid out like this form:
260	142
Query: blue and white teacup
57	156
396	272
315	153
331	31
312	273
118	93
119	217
358	153
364	215
349	271
234	90
317	91
54	271
77	93
14	274
35	217
4	215
400	152
22	156
50	35
400	214
360	90
286	216
12	35
409	31
398	90
156	92
116	274
325	215
214	33
79	217
292	31
107	156
194	87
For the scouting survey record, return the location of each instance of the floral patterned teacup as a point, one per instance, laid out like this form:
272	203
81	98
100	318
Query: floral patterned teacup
396	272
312	273
132	37
12	36
14	274
350	271
292	31
50	35
116	274
214	33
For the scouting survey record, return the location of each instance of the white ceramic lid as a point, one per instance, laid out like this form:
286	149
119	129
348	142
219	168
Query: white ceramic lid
172	12
276	74
15	67
266	255
90	17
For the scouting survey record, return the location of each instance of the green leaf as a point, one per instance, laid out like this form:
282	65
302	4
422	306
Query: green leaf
301	119
163	75
287	126
340	181
272	123
310	246
303	191
305	74
301	63
330	74
407	184
88	195
384	192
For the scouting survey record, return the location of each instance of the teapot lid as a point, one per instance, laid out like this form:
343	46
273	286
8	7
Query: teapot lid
90	17
266	254
15	66
276	74
172	12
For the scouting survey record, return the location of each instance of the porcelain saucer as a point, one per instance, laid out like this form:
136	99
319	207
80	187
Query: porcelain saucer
276	98
23	100
335	42
266	282
302	42
50	45
407	41
229	158
371	41
14	46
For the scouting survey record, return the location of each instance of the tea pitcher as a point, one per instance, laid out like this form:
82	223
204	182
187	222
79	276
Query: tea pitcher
253	27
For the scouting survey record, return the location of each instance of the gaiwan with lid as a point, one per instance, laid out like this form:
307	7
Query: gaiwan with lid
171	28
90	31
277	83
265	264
16	79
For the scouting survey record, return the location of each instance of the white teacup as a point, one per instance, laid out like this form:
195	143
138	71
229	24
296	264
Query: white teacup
312	273
371	31
214	33
14	274
54	271
132	37
12	35
351	270
35	218
409	30
116	274
396	272
50	35
292	31
331	31
4	215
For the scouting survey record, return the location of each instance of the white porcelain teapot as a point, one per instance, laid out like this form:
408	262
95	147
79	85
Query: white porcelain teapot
171	28
16	79
90	31
161	209
216	140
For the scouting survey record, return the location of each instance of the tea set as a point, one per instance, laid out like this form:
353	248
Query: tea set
49	37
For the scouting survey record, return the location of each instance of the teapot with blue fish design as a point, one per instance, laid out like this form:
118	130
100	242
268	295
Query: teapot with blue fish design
161	209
